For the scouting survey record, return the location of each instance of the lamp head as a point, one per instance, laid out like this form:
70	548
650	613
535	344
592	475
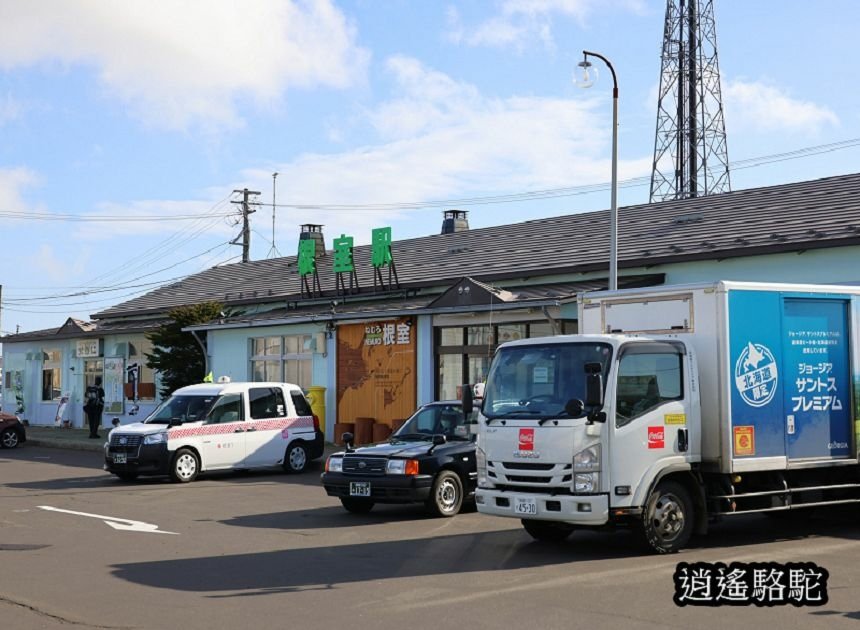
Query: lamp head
585	75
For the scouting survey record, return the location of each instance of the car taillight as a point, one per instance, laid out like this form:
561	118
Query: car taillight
316	423
411	467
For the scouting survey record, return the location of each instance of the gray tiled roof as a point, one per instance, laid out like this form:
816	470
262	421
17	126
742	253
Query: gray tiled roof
790	217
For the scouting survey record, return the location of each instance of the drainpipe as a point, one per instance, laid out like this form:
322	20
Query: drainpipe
205	353
553	322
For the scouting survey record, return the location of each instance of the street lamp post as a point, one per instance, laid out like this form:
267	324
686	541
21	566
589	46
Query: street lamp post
587	78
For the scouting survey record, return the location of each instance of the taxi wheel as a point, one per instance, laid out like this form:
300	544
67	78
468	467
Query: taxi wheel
296	458
446	497
185	466
9	438
357	506
547	531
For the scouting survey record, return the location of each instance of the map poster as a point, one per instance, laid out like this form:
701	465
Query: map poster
114	373
376	370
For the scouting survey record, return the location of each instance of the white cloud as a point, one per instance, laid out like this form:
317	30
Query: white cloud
441	138
760	106
13	181
10	109
521	21
176	64
47	265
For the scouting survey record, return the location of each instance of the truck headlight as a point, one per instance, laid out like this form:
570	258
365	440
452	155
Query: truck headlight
587	460
586	483
481	465
155	438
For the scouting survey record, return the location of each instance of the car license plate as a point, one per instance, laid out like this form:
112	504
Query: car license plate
119	458
525	506
359	488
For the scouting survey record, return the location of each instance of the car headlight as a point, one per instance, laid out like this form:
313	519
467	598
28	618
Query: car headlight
334	464
587	460
402	467
155	438
586	483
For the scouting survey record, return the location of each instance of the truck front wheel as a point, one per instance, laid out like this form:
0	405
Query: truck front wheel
667	522
547	531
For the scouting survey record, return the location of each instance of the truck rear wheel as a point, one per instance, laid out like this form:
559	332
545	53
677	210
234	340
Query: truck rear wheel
547	531
667	522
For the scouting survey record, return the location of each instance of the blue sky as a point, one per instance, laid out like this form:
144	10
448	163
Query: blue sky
142	110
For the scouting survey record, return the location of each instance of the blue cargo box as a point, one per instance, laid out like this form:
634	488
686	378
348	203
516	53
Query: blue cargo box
795	380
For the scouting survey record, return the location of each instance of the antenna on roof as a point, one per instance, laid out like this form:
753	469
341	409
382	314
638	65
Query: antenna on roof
273	252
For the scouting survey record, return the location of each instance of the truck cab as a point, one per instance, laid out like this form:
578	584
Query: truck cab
578	430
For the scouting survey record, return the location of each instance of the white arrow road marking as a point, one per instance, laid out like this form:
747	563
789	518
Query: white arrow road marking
117	523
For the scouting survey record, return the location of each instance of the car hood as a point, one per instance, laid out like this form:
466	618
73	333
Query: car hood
400	449
143	428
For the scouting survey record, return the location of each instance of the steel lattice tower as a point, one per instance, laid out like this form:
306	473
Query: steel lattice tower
690	154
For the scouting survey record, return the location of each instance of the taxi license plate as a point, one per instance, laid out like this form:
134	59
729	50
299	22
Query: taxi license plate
359	488
119	458
527	507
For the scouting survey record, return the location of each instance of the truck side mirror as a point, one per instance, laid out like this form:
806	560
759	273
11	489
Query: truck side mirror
468	400
593	385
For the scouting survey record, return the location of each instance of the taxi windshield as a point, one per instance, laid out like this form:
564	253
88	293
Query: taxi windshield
182	408
432	420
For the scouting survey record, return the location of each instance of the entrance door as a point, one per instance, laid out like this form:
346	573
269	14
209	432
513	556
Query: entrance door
651	412
817	391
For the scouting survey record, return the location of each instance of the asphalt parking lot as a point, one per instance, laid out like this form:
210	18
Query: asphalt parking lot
81	549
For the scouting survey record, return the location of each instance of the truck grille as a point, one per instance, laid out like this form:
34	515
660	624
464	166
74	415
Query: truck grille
124	443
364	465
534	476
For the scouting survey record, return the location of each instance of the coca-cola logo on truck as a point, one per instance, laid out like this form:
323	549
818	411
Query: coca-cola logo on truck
656	437
527	439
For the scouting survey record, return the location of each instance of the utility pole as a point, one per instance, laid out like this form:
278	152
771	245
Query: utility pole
246	226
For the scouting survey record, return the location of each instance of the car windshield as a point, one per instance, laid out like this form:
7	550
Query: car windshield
537	381
182	408
444	419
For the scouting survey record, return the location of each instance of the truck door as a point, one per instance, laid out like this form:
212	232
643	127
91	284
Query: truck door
817	398
652	411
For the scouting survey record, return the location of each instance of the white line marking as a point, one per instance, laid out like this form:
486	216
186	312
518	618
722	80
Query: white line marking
115	522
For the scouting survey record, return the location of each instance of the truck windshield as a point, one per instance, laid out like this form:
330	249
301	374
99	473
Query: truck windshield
184	408
536	381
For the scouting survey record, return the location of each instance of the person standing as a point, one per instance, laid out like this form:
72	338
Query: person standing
94	404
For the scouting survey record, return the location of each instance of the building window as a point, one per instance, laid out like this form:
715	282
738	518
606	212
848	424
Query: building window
463	354
282	359
137	351
92	368
51	375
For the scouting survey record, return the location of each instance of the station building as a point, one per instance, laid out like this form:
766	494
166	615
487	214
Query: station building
388	326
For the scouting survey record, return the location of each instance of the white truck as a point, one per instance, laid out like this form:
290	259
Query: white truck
673	407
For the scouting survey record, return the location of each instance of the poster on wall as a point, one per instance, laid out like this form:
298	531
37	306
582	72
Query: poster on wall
114	372
376	370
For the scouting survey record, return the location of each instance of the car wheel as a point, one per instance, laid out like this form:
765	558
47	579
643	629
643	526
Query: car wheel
667	522
296	458
357	506
185	466
126	476
547	531
9	438
446	497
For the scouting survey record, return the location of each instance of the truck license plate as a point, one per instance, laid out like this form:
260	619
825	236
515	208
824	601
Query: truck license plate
527	507
359	488
119	458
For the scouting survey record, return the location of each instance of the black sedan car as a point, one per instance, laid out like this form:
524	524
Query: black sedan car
430	460
12	432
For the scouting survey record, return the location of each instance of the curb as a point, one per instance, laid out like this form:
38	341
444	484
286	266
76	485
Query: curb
97	447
